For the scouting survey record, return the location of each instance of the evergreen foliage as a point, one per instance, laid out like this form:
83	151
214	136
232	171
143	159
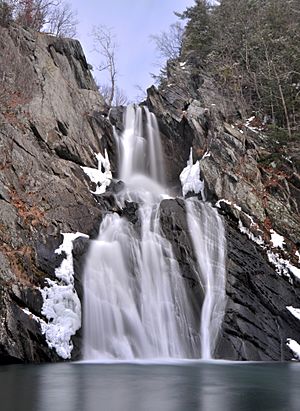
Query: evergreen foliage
253	49
198	33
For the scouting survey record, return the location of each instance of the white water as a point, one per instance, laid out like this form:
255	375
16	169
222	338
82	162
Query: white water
209	243
136	302
140	152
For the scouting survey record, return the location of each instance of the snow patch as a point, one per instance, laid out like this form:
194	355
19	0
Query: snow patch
206	155
61	305
33	316
294	311
249	125
258	240
59	302
277	239
288	159
223	200
281	265
295	347
101	178
190	177
294	270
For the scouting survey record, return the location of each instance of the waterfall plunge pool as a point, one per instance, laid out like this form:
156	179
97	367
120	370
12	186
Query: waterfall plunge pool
176	386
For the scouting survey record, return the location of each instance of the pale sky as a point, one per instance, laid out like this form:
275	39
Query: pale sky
133	22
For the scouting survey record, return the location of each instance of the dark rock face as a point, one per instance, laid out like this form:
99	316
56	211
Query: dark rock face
194	113
175	229
20	338
257	323
79	253
174	226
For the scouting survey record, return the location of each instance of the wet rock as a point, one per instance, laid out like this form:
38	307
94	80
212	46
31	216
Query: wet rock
116	115
115	187
192	112
79	253
174	226
46	258
131	212
257	323
21	340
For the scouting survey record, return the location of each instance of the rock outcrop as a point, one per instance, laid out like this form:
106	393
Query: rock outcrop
259	180
51	123
53	120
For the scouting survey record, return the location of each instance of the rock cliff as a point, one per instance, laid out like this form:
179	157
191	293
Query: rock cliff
258	180
53	120
51	123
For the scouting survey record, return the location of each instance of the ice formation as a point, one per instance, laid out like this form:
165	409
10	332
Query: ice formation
102	179
62	309
61	305
190	177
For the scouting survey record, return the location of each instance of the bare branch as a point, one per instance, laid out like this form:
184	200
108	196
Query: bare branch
63	21
120	98
169	43
105	45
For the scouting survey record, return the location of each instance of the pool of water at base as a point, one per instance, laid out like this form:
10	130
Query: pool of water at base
186	385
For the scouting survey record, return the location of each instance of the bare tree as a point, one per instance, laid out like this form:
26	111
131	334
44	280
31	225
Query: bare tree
105	45
169	43
33	13
105	91
62	21
141	93
120	98
53	16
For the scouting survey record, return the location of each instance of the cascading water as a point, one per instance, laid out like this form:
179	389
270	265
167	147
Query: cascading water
136	304
139	156
208	237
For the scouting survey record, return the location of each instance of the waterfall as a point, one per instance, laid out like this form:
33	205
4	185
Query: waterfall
208	237
136	301
137	155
